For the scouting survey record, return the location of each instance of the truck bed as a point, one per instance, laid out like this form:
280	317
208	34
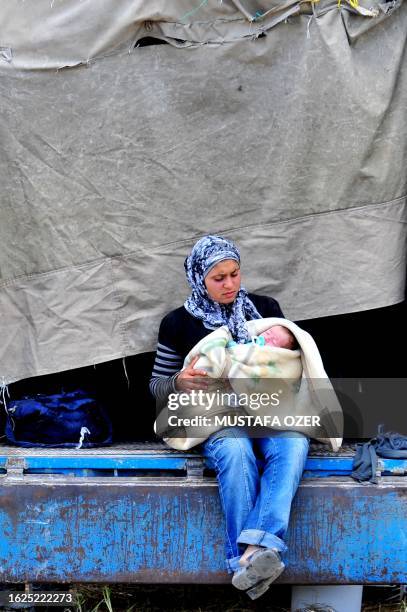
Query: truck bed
141	512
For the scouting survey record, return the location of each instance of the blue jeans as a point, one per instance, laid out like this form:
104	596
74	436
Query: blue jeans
256	506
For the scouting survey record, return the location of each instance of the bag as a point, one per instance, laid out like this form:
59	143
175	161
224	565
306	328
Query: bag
71	420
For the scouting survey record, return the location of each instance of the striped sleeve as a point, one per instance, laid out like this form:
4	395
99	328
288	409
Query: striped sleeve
166	367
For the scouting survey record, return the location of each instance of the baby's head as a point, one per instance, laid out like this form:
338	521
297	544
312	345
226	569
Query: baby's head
279	336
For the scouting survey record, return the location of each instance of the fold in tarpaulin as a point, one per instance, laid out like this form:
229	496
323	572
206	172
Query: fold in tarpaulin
284	131
48	34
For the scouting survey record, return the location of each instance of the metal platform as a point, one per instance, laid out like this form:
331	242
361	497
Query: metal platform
141	458
138	447
142	512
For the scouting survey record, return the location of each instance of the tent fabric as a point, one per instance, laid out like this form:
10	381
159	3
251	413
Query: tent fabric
46	34
285	133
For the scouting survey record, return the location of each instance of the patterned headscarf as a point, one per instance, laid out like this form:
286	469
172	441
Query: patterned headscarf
205	254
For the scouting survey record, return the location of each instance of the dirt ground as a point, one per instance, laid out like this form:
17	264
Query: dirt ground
196	598
191	598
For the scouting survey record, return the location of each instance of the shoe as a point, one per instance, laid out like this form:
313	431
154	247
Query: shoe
265	563
260	588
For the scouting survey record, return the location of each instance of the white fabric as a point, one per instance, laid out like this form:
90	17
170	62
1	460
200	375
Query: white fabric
297	376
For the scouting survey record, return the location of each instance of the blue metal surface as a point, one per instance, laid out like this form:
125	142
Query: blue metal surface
59	528
156	517
88	465
128	462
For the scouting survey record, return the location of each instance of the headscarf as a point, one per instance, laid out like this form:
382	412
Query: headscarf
205	254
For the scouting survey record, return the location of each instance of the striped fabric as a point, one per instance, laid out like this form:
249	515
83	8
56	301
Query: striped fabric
166	367
179	332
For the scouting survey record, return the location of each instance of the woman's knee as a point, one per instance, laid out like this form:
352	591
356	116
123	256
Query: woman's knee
291	447
302	445
231	447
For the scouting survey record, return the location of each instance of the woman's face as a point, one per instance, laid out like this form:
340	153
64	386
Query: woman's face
223	281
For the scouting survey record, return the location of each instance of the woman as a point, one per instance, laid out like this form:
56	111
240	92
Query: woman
256	506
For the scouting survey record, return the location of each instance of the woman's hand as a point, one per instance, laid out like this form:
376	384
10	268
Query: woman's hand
190	379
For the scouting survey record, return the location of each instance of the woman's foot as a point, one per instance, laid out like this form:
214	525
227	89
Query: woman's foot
262	564
251	548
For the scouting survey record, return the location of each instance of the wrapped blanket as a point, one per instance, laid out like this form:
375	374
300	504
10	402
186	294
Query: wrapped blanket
285	389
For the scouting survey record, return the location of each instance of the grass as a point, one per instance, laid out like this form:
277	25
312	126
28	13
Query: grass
206	598
200	598
170	598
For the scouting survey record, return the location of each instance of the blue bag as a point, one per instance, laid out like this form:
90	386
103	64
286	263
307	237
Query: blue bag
71	420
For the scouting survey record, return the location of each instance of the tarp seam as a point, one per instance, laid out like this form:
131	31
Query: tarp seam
110	258
389	301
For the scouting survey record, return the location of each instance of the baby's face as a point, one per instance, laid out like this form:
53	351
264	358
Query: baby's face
279	336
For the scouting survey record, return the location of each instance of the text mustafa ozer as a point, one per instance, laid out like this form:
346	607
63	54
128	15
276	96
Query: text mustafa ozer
252	401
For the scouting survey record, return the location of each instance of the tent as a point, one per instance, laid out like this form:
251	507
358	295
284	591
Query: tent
281	125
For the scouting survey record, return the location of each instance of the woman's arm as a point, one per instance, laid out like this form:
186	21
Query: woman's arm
165	380
166	377
167	365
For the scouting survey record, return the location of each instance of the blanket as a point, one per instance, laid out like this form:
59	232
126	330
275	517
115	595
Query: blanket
390	445
255	387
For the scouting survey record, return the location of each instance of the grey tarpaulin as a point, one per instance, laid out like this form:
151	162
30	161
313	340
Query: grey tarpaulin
280	125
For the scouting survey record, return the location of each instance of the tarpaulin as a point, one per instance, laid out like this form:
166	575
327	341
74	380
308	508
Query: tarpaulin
279	125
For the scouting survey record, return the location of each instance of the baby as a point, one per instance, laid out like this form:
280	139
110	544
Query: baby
278	336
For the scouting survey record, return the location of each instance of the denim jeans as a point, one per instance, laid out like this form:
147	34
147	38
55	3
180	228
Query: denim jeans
256	504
